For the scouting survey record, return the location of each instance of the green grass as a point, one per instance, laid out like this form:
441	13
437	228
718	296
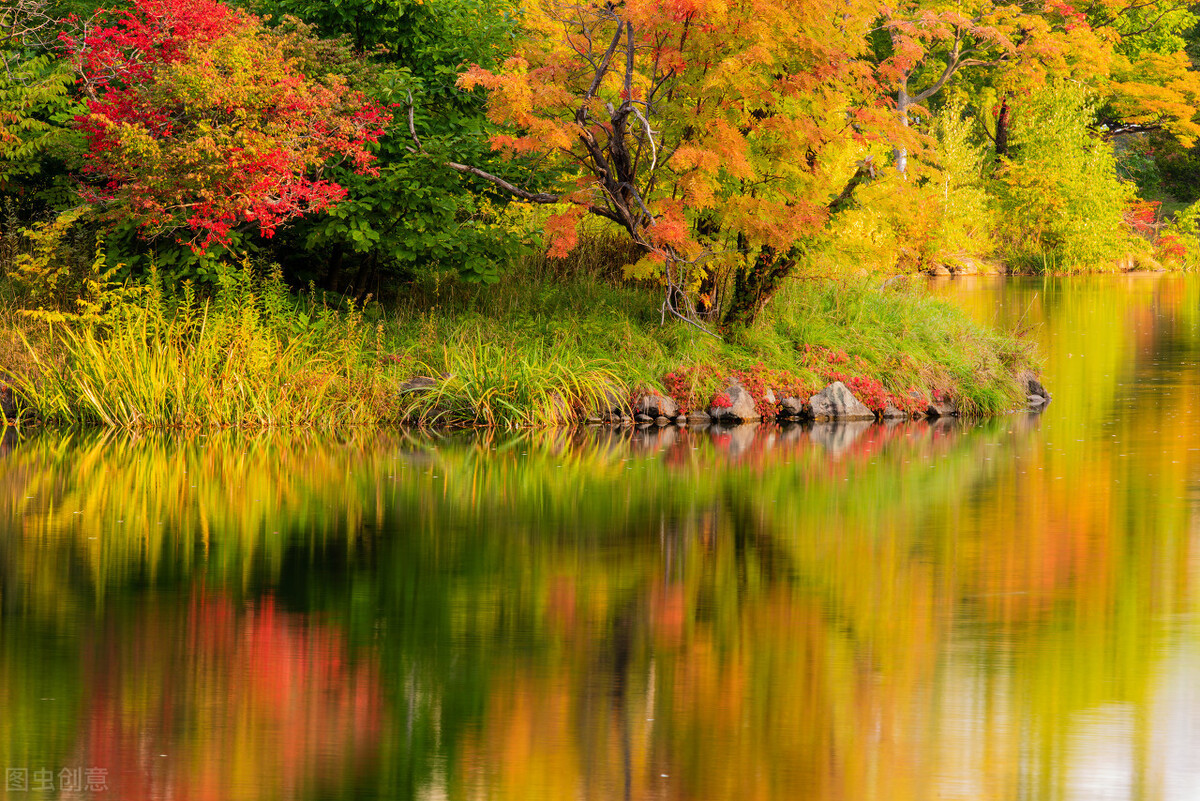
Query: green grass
251	356
543	348
607	333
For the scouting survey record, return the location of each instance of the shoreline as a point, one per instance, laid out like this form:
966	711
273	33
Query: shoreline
532	352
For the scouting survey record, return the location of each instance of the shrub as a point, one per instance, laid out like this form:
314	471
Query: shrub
1060	201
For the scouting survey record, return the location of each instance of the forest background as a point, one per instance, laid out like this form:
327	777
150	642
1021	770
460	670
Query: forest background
279	211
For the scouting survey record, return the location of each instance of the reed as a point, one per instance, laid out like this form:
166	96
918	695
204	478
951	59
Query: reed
249	356
514	385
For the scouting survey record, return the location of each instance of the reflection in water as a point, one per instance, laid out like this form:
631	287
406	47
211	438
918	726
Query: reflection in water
965	610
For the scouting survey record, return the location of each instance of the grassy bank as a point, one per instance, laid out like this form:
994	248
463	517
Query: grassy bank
545	347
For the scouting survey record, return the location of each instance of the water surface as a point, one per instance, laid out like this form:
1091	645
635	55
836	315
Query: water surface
1004	609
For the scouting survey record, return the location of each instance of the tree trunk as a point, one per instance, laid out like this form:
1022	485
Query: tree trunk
903	101
1002	124
708	303
756	284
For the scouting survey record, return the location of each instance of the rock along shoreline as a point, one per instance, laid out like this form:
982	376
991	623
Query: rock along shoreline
736	405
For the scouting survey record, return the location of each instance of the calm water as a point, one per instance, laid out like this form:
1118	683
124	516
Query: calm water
1005	610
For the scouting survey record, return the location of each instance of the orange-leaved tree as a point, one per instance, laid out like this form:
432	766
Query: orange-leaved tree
716	133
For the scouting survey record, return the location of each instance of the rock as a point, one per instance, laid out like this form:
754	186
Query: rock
942	408
1035	400
793	407
769	397
890	412
733	405
662	421
1032	387
594	421
655	405
418	383
8	402
682	420
612	403
940	269
969	265
837	402
698	419
643	418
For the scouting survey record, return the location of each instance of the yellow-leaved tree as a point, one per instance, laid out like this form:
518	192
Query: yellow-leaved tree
716	133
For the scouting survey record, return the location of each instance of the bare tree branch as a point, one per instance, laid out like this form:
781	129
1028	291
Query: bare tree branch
512	189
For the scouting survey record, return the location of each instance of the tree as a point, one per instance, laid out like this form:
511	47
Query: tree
712	132
410	218
1004	49
199	123
35	105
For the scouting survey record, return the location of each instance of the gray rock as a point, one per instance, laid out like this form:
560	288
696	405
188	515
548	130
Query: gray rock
419	383
890	412
655	405
681	420
662	421
8	401
946	407
837	402
769	397
741	408
1032	387
698	419
793	407
643	418
612	402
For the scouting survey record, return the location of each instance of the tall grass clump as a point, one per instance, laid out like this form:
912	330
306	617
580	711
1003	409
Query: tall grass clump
517	384
252	354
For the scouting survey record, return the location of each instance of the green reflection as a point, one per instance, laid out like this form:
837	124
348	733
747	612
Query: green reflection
971	610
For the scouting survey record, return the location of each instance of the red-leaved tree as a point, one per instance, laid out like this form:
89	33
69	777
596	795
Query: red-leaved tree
200	122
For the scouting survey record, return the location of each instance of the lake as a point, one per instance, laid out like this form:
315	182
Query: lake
1007	608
